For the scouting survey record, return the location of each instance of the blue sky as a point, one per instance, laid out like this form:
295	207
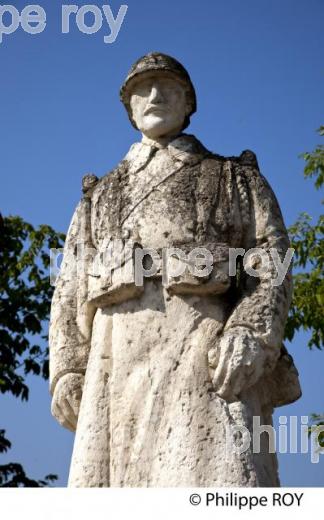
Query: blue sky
258	70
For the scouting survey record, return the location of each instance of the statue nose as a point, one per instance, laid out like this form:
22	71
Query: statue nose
156	95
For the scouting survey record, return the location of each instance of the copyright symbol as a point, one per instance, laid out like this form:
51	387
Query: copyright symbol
195	499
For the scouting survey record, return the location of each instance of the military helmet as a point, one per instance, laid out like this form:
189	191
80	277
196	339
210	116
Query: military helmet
156	61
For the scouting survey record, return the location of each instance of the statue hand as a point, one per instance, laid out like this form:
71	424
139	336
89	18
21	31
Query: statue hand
239	361
66	400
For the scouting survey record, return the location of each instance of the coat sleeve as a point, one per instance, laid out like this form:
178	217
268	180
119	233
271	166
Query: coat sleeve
71	314
263	304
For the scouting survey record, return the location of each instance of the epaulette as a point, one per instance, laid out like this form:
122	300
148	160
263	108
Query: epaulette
248	158
89	181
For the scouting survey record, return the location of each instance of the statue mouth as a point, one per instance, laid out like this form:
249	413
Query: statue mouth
156	110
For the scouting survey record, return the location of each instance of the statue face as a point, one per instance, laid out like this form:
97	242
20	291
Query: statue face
159	105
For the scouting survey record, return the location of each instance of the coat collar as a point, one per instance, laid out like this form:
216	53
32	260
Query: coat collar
184	148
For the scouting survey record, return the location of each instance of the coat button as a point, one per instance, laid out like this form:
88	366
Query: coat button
126	234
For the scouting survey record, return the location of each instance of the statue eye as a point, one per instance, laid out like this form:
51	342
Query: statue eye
143	89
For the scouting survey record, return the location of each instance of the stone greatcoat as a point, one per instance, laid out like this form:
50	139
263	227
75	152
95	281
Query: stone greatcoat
149	414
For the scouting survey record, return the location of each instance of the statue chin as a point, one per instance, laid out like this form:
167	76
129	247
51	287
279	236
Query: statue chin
156	127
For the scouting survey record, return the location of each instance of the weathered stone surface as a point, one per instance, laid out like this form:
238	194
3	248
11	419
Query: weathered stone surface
165	369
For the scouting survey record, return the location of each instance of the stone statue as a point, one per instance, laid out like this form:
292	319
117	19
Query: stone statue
153	378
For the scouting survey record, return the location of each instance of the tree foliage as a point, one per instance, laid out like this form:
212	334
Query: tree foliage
14	475
315	162
25	296
307	309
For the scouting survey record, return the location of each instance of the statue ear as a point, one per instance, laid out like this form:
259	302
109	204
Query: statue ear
130	114
188	103
188	108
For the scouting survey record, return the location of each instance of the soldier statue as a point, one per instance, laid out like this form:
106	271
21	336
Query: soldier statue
156	379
